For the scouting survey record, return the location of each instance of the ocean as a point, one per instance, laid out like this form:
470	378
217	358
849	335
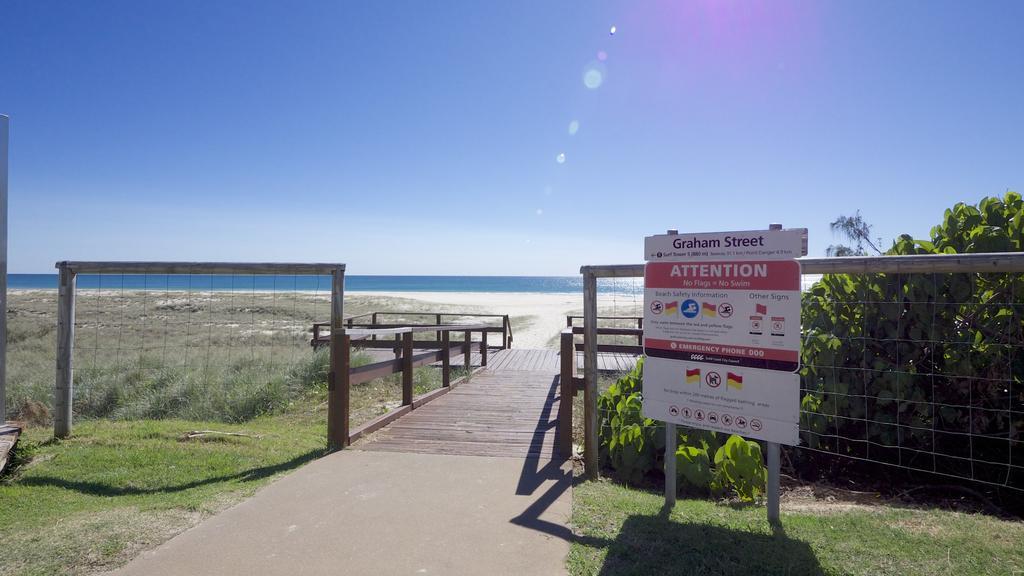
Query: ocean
247	283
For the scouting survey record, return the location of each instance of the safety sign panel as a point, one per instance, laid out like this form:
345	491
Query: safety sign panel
740	313
762	404
722	331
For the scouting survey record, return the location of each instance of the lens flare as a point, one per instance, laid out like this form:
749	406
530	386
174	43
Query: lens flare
593	75
612	31
574	127
602	55
560	158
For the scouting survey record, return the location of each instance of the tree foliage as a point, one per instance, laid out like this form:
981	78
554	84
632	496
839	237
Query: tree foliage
633	447
856	230
923	370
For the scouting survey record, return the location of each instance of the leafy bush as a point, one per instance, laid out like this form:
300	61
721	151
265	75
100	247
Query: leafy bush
634	447
920	361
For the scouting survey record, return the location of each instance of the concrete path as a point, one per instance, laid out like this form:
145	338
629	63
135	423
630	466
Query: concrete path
470	483
356	512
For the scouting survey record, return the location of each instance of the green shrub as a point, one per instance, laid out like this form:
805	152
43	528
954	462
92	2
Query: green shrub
892	361
633	447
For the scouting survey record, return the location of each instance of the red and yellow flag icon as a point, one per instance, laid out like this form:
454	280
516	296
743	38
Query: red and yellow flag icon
693	376
672	308
761	308
709	309
734	381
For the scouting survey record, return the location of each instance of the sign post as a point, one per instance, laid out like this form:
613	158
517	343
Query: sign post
722	337
4	120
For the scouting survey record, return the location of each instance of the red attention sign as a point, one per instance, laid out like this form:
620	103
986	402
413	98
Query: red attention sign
736	313
771	275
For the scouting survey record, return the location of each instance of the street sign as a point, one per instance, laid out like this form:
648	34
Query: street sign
722	331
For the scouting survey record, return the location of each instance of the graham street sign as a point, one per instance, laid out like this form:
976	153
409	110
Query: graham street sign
722	331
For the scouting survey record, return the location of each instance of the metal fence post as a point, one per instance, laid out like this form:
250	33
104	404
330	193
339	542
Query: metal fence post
670	463
4	121
590	372
63	390
773	482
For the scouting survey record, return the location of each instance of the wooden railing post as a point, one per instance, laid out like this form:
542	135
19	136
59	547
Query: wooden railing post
64	390
467	350
338	389
407	369
504	332
437	321
590	372
338	378
567	384
483	347
640	326
446	360
373	322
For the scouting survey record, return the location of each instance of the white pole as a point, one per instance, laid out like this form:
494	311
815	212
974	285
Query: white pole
4	122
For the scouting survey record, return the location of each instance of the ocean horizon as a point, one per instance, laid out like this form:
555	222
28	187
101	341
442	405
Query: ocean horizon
314	283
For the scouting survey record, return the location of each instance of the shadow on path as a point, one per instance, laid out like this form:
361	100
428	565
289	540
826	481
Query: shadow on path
533	475
100	489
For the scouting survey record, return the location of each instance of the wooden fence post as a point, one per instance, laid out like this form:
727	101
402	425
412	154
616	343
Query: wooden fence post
446	360
341	363
437	318
567	392
467	351
64	392
338	390
407	369
483	348
590	372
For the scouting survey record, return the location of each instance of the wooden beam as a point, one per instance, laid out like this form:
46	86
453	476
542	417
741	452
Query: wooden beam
428	396
319	269
379	422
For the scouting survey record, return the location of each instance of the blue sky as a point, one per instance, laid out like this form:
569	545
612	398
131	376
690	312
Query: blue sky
423	137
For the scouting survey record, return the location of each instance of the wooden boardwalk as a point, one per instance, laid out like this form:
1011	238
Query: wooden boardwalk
508	409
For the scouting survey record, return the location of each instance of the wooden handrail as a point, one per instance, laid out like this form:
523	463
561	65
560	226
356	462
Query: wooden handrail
505	329
405	362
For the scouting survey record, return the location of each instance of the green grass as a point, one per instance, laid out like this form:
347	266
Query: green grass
94	500
626	531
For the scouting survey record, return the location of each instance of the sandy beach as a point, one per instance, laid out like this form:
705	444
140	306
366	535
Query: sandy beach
537	318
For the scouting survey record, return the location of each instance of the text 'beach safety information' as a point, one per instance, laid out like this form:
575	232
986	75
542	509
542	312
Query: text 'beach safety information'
722	331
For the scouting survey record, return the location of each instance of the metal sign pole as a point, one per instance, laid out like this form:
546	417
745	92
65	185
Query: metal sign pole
4	121
670	451
670	463
774	465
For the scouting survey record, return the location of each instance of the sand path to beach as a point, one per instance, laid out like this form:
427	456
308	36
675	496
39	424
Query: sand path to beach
536	318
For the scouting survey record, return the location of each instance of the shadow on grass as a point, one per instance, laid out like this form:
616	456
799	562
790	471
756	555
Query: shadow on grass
656	544
100	489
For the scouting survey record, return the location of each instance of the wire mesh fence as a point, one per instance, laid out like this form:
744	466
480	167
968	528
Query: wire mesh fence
919	371
196	346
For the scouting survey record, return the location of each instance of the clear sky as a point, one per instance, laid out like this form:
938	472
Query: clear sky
425	137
